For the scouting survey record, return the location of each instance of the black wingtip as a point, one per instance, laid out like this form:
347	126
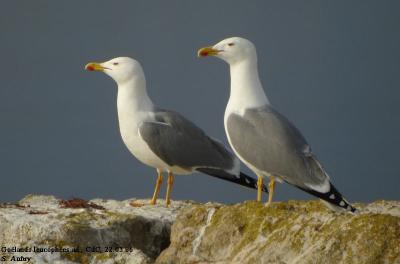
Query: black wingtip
333	196
253	182
242	179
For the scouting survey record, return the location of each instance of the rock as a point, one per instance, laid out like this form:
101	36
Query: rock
49	230
130	234
285	232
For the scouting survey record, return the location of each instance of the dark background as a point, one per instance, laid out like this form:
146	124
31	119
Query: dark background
332	67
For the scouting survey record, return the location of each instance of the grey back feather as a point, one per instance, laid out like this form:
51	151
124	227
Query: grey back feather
267	140
179	142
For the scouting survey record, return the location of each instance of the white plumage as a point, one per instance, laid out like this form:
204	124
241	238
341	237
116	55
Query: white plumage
260	136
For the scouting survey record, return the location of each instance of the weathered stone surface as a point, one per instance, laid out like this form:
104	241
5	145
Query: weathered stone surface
286	232
39	221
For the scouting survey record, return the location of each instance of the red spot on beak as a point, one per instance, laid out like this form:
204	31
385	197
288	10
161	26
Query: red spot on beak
207	51
90	68
204	53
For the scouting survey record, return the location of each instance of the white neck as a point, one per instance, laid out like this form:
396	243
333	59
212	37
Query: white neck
246	88
132	99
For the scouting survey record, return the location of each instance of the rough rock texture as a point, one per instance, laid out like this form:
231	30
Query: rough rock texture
286	232
133	234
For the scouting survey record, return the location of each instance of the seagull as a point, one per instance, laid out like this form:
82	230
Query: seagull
265	140
162	139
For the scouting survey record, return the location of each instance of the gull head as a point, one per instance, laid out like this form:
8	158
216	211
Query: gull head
232	50
121	69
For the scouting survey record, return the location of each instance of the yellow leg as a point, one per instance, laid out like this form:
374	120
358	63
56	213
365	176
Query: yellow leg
260	182
158	186
170	183
271	188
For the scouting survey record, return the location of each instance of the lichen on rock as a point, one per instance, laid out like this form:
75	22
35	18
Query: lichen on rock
286	232
187	232
130	234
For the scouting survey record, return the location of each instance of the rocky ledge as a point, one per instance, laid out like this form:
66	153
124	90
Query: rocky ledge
78	231
43	229
285	232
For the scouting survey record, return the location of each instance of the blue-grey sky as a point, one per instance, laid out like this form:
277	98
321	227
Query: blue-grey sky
332	67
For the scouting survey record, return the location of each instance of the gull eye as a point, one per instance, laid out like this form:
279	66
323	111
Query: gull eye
115	63
231	44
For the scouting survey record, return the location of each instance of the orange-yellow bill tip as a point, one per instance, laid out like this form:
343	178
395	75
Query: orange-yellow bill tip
207	51
94	66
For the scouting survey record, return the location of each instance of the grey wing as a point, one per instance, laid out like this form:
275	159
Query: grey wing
268	141
179	142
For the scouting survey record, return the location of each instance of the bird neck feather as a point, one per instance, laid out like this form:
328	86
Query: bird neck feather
246	88
133	97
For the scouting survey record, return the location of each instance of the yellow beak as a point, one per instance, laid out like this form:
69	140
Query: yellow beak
94	66
207	51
